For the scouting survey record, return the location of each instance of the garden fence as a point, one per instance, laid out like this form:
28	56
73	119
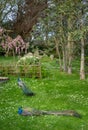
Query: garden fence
21	70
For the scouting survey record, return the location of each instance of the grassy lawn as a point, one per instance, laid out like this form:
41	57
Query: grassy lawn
58	91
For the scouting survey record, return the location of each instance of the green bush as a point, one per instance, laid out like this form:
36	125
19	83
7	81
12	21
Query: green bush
45	69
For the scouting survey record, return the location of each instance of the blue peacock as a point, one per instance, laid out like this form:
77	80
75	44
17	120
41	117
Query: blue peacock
35	112
26	91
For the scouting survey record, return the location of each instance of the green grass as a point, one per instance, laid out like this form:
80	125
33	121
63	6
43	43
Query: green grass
58	91
8	60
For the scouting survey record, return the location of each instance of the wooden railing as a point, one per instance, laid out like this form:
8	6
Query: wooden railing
22	70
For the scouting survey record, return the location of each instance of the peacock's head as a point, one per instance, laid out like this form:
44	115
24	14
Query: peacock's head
20	110
18	79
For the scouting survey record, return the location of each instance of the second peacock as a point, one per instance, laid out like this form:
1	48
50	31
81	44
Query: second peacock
25	89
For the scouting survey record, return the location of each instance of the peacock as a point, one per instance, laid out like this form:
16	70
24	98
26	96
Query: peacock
26	90
34	112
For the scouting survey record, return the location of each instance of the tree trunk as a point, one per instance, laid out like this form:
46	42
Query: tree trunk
82	64
69	54
64	57
82	68
58	53
69	45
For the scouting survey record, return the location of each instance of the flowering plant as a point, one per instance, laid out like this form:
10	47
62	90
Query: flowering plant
28	60
15	46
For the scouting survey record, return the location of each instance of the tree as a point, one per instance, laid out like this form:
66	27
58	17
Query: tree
27	15
21	14
80	34
13	46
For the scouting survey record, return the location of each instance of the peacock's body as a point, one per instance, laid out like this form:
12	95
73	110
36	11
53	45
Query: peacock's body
34	112
24	88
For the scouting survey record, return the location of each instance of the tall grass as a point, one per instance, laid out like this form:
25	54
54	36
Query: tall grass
57	91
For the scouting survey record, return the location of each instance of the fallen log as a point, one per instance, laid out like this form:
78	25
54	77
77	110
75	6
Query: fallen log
3	79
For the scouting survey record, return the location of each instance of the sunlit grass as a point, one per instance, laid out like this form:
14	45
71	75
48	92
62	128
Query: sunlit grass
58	91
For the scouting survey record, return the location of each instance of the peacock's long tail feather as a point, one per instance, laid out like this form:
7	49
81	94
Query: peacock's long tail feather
34	112
62	113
